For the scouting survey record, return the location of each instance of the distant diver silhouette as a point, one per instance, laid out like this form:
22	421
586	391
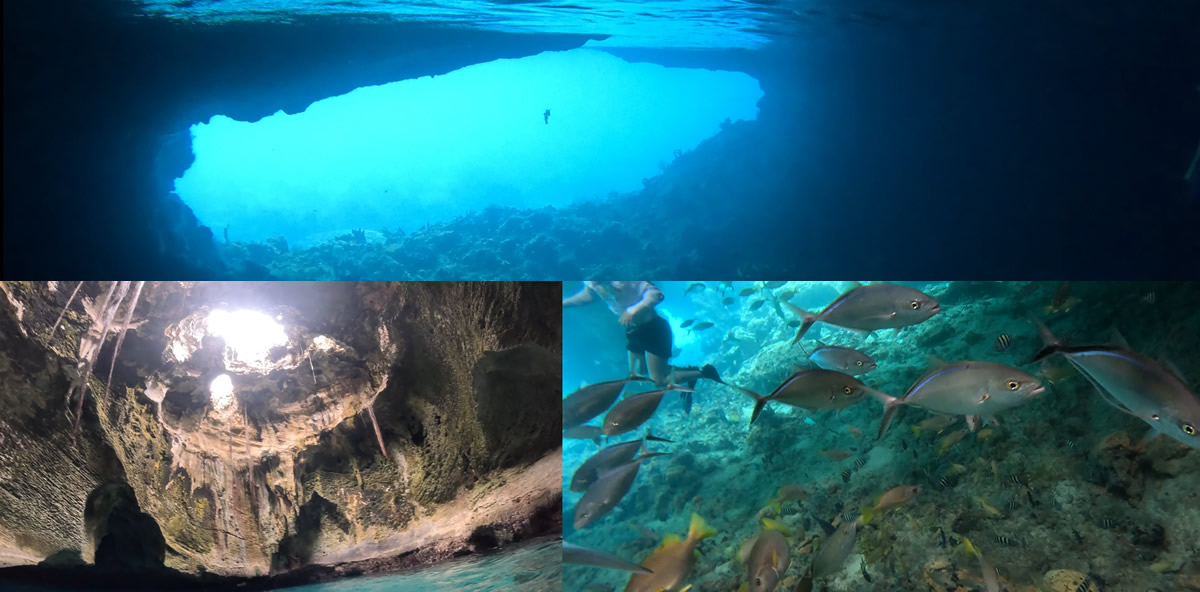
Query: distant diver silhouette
546	116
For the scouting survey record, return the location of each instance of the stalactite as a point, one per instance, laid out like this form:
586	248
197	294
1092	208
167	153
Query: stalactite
137	292
378	434
85	365
64	310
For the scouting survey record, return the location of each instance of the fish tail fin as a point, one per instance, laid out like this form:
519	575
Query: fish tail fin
1052	344
916	430
650	436
889	413
806	321
759	404
699	529
867	515
969	548
710	372
759	401
776	505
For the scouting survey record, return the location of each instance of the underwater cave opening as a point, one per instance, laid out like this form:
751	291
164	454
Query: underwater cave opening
544	130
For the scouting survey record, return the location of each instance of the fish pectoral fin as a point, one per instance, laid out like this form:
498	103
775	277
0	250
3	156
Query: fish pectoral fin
1173	369
1108	397
972	422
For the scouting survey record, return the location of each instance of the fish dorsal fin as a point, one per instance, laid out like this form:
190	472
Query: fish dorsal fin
935	363
1118	340
821	344
669	541
850	286
1173	369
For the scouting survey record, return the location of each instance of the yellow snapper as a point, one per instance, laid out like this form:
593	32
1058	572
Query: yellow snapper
934	424
672	561
892	498
768	561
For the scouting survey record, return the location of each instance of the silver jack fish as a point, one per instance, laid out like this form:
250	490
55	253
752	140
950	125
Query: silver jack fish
634	411
606	492
1134	384
973	389
604	460
842	359
872	307
582	405
813	389
572	553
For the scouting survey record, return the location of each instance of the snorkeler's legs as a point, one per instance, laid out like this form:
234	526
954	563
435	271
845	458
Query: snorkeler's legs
637	364
660	370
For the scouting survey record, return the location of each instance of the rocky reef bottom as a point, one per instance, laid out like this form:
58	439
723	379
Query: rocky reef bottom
654	231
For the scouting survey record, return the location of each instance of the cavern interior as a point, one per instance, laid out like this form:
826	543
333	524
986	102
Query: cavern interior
269	434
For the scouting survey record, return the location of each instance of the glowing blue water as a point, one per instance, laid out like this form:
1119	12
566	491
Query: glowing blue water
413	152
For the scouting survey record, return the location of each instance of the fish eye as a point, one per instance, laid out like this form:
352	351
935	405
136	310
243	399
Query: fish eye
915	305
847	390
757	582
859	362
1189	429
1154	416
1013	385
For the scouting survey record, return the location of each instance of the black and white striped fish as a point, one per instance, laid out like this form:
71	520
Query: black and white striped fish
1002	342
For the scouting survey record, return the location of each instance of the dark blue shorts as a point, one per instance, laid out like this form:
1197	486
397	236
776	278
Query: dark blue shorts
652	337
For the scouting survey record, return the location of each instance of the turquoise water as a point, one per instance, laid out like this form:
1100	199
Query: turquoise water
1058	482
532	567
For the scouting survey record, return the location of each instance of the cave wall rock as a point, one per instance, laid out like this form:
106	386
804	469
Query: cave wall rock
294	472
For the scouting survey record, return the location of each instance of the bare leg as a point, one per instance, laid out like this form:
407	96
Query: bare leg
660	370
637	364
685	376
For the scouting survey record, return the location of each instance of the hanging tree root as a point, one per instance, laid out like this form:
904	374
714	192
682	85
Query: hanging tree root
137	291
378	434
89	360
64	310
